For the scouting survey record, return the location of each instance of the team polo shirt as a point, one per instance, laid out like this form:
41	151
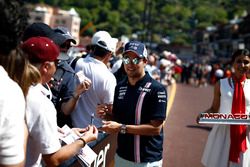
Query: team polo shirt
138	104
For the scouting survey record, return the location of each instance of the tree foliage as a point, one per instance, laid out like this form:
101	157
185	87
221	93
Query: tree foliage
150	19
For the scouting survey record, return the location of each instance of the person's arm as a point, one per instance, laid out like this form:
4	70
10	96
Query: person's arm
70	150
104	111
16	165
216	101
68	106
153	128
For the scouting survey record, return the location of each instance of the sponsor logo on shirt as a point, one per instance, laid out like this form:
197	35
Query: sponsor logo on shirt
161	97
122	92
143	89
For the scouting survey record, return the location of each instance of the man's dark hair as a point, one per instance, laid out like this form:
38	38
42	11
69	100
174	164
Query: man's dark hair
99	51
13	20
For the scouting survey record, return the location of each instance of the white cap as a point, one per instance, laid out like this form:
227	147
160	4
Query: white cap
104	40
98	35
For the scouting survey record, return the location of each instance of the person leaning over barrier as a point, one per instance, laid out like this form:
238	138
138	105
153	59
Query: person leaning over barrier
94	67
64	85
139	110
43	140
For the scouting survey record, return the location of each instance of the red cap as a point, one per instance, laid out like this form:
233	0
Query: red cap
40	49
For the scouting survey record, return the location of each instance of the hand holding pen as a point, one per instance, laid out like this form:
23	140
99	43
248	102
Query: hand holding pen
104	111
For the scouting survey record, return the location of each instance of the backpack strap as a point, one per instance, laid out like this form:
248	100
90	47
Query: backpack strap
73	64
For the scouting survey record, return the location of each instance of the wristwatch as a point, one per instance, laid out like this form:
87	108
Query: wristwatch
123	129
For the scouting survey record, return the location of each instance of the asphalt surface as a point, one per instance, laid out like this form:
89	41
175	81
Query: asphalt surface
185	140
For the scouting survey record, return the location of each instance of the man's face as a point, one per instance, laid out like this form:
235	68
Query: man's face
47	70
134	65
65	46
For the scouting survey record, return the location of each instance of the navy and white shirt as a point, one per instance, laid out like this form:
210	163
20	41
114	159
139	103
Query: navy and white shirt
135	105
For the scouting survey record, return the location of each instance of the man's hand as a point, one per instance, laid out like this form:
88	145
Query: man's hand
83	86
111	126
90	134
104	111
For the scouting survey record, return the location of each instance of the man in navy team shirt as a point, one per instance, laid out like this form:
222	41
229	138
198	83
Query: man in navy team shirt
138	114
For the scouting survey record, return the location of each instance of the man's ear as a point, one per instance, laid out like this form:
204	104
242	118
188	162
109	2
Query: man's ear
45	67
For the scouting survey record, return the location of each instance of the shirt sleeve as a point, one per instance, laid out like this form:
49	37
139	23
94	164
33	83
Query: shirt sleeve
69	86
159	103
109	90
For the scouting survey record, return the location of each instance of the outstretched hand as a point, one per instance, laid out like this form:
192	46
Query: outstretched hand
104	111
90	134
111	126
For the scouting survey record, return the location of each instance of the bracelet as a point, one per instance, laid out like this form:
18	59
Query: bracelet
84	142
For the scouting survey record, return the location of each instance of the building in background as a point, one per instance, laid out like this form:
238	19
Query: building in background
56	17
218	42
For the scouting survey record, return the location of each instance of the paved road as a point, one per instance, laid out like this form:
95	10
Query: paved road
184	139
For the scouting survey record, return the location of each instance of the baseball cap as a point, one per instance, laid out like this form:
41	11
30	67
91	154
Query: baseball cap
40	49
136	47
108	43
98	35
42	30
65	32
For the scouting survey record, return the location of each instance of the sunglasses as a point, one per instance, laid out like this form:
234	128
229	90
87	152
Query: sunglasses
126	60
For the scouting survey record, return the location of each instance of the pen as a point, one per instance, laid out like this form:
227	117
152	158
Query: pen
92	119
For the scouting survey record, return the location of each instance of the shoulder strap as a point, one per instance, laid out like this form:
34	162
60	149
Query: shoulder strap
73	64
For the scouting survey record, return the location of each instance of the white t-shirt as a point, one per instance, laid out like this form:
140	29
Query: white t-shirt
101	91
42	126
12	109
116	66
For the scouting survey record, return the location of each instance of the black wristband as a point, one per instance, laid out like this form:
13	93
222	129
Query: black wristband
84	142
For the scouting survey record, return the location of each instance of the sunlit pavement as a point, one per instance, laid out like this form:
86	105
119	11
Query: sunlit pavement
184	139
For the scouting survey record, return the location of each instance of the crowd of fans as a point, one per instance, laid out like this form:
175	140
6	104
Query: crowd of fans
63	84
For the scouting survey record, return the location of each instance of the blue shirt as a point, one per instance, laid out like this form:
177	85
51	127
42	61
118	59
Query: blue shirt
139	104
63	86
